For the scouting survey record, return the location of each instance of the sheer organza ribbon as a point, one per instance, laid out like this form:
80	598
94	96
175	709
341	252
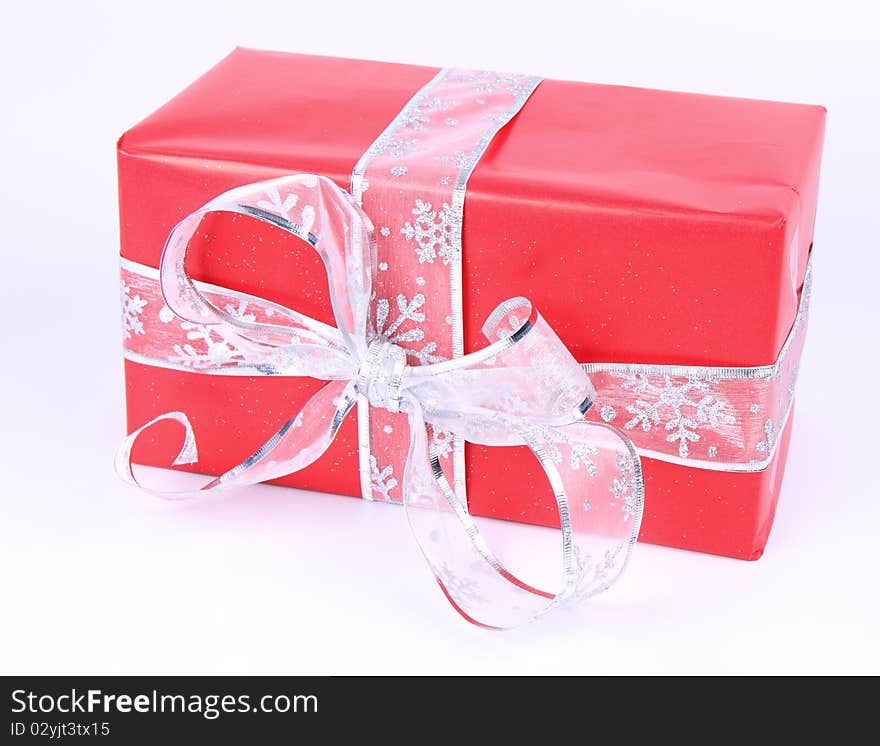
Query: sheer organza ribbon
524	388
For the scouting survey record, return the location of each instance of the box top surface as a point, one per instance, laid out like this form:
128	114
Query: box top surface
613	144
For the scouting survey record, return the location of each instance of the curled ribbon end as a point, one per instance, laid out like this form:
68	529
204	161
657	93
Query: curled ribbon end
508	319
188	453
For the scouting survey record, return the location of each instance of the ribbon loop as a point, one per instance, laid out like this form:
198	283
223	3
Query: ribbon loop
525	376
595	475
524	388
320	214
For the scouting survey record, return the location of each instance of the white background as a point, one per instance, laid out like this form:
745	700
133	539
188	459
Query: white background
97	578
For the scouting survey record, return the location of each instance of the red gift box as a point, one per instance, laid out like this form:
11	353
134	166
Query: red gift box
648	227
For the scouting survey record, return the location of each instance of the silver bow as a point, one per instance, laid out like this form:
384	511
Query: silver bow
523	389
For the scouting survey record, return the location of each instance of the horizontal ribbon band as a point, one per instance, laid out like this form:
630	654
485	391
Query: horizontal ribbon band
706	417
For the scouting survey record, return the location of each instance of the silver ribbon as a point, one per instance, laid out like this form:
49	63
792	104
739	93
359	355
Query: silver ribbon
524	389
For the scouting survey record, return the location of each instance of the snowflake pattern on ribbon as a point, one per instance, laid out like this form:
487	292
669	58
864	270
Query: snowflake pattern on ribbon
467	588
581	456
461	159
215	350
275	204
241	311
132	308
486	81
625	486
592	576
397	146
408	310
441	442
382	480
766	445
553	441
672	404
432	231
416	117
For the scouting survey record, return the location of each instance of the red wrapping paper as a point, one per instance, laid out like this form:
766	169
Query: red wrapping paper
647	227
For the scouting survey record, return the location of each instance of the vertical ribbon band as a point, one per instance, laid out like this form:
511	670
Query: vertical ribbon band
412	181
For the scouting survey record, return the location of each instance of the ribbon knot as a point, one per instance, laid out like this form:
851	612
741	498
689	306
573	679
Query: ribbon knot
380	374
523	389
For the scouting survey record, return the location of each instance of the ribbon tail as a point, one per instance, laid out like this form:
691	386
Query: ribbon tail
299	442
188	454
597	484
